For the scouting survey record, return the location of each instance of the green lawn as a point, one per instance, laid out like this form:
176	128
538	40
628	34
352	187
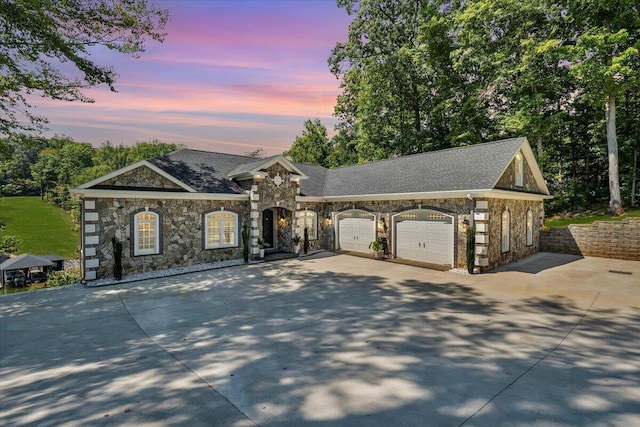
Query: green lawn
561	222
43	228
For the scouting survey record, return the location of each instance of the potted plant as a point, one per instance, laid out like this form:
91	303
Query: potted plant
376	247
261	245
296	243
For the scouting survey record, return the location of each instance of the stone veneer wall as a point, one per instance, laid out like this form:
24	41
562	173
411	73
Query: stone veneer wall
460	208
141	177
266	194
488	222
181	232
508	178
606	239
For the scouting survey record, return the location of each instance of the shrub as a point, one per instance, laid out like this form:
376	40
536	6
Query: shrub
9	244
306	240
61	278
471	248
246	243
117	258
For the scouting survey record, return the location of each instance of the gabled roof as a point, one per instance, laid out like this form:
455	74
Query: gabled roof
474	167
24	261
204	171
254	168
142	163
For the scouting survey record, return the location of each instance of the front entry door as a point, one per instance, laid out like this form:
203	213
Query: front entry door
267	228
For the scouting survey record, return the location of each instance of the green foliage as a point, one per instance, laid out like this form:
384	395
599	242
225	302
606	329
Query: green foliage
36	37
424	75
9	244
313	146
305	244
42	228
117	258
62	278
246	243
562	221
471	249
376	246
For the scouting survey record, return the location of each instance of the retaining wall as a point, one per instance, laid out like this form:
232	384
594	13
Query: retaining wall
606	239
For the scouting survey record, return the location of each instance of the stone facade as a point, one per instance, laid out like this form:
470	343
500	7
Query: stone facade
181	234
275	190
518	247
508	179
141	177
606	239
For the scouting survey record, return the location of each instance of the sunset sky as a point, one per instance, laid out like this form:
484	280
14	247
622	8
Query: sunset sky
231	76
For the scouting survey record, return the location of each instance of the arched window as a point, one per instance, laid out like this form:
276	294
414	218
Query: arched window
530	227
221	230
519	170
309	219
505	230
146	238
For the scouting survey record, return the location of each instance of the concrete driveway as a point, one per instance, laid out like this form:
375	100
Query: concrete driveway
331	341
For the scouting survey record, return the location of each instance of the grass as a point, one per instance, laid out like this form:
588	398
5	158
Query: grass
43	228
563	220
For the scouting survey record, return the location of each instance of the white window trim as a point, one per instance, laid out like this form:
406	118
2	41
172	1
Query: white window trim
529	222
519	170
156	232
302	218
208	217
505	232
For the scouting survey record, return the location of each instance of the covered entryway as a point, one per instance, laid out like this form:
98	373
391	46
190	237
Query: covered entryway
356	230
277	229
424	236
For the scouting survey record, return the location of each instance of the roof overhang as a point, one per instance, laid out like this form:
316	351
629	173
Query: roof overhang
142	163
468	194
526	150
257	170
168	195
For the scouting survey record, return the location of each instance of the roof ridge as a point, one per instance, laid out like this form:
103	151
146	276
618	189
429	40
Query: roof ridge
460	147
214	152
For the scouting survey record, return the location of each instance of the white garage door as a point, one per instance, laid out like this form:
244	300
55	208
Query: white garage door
425	236
356	230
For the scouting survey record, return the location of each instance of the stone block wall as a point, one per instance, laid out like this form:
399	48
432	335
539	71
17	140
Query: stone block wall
606	239
181	234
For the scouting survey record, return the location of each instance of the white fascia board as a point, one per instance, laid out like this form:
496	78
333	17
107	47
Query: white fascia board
286	163
135	166
474	194
535	168
132	194
526	150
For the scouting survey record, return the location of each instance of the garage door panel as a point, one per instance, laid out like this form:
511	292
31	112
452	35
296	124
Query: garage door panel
425	241
355	234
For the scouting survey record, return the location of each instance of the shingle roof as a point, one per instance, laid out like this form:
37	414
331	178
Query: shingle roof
204	171
473	167
456	169
24	261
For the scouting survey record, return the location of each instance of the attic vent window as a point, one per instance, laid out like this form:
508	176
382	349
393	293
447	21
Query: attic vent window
519	170
277	180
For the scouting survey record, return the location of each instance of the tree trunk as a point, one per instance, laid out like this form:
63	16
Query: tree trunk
539	148
633	179
615	203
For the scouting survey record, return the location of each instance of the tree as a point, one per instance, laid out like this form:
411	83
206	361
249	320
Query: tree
604	53
38	37
312	146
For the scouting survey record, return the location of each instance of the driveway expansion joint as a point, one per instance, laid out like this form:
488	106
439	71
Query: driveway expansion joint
530	368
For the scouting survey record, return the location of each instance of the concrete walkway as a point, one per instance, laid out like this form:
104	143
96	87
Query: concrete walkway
331	341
